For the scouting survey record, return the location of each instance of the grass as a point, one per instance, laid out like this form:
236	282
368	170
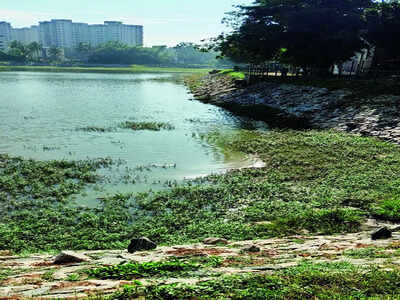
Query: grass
321	181
306	281
169	268
132	69
153	126
234	74
370	252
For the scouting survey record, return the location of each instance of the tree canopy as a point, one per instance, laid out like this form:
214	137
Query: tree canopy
308	33
184	54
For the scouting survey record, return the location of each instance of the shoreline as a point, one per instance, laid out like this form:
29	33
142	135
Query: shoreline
286	105
113	70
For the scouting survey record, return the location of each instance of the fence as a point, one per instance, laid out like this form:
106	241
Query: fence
353	71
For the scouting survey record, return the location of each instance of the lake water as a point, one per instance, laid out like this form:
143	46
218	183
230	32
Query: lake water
41	113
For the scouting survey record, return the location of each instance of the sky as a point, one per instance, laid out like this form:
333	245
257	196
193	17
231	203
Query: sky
166	22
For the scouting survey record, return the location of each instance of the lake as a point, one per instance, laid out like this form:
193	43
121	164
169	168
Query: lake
42	114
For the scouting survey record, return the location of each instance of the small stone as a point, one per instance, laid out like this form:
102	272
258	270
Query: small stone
381	233
251	248
215	241
141	244
5	253
70	257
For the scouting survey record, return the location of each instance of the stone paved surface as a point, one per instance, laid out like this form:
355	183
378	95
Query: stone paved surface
29	276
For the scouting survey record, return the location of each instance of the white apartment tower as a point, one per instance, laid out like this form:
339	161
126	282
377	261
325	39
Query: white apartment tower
67	34
5	35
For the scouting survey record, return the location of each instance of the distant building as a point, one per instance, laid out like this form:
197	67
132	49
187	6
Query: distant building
67	34
25	35
96	35
5	35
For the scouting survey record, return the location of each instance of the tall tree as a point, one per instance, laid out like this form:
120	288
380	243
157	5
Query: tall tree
384	31
313	33
34	50
55	53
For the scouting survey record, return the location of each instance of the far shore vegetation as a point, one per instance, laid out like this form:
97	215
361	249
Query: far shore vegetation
121	70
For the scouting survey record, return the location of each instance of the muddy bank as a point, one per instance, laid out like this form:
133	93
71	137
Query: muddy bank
294	106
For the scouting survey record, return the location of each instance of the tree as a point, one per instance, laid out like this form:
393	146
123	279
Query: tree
383	31
18	51
314	33
34	50
55	53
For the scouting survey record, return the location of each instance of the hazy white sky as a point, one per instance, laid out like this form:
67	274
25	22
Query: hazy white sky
166	22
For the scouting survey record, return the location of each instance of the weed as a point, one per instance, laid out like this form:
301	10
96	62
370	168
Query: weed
306	281
154	126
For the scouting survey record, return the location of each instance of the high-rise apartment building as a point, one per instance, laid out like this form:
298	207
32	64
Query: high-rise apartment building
67	34
5	35
25	35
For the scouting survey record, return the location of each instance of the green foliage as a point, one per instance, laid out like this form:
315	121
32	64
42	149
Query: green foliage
73	277
320	181
370	252
48	275
169	268
383	25
184	54
312	33
387	209
230	72
21	53
154	126
306	281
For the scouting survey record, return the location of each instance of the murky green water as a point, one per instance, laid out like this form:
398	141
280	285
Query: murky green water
40	114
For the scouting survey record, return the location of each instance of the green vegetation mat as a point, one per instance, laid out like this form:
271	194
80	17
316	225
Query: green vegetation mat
306	281
320	181
169	268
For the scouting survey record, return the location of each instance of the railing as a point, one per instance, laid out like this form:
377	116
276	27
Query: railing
256	73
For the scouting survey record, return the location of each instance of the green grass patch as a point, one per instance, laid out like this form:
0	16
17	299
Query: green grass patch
169	268
232	73
370	252
306	281
153	126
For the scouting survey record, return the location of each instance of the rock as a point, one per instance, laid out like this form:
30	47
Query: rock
251	248
141	244
381	233
70	257
5	253
215	241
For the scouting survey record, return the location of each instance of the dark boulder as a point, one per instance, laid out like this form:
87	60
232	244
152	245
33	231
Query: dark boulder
381	233
141	244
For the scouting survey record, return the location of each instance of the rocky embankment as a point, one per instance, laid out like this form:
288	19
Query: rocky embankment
294	106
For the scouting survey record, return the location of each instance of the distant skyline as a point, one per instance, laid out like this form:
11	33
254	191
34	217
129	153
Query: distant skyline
166	22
